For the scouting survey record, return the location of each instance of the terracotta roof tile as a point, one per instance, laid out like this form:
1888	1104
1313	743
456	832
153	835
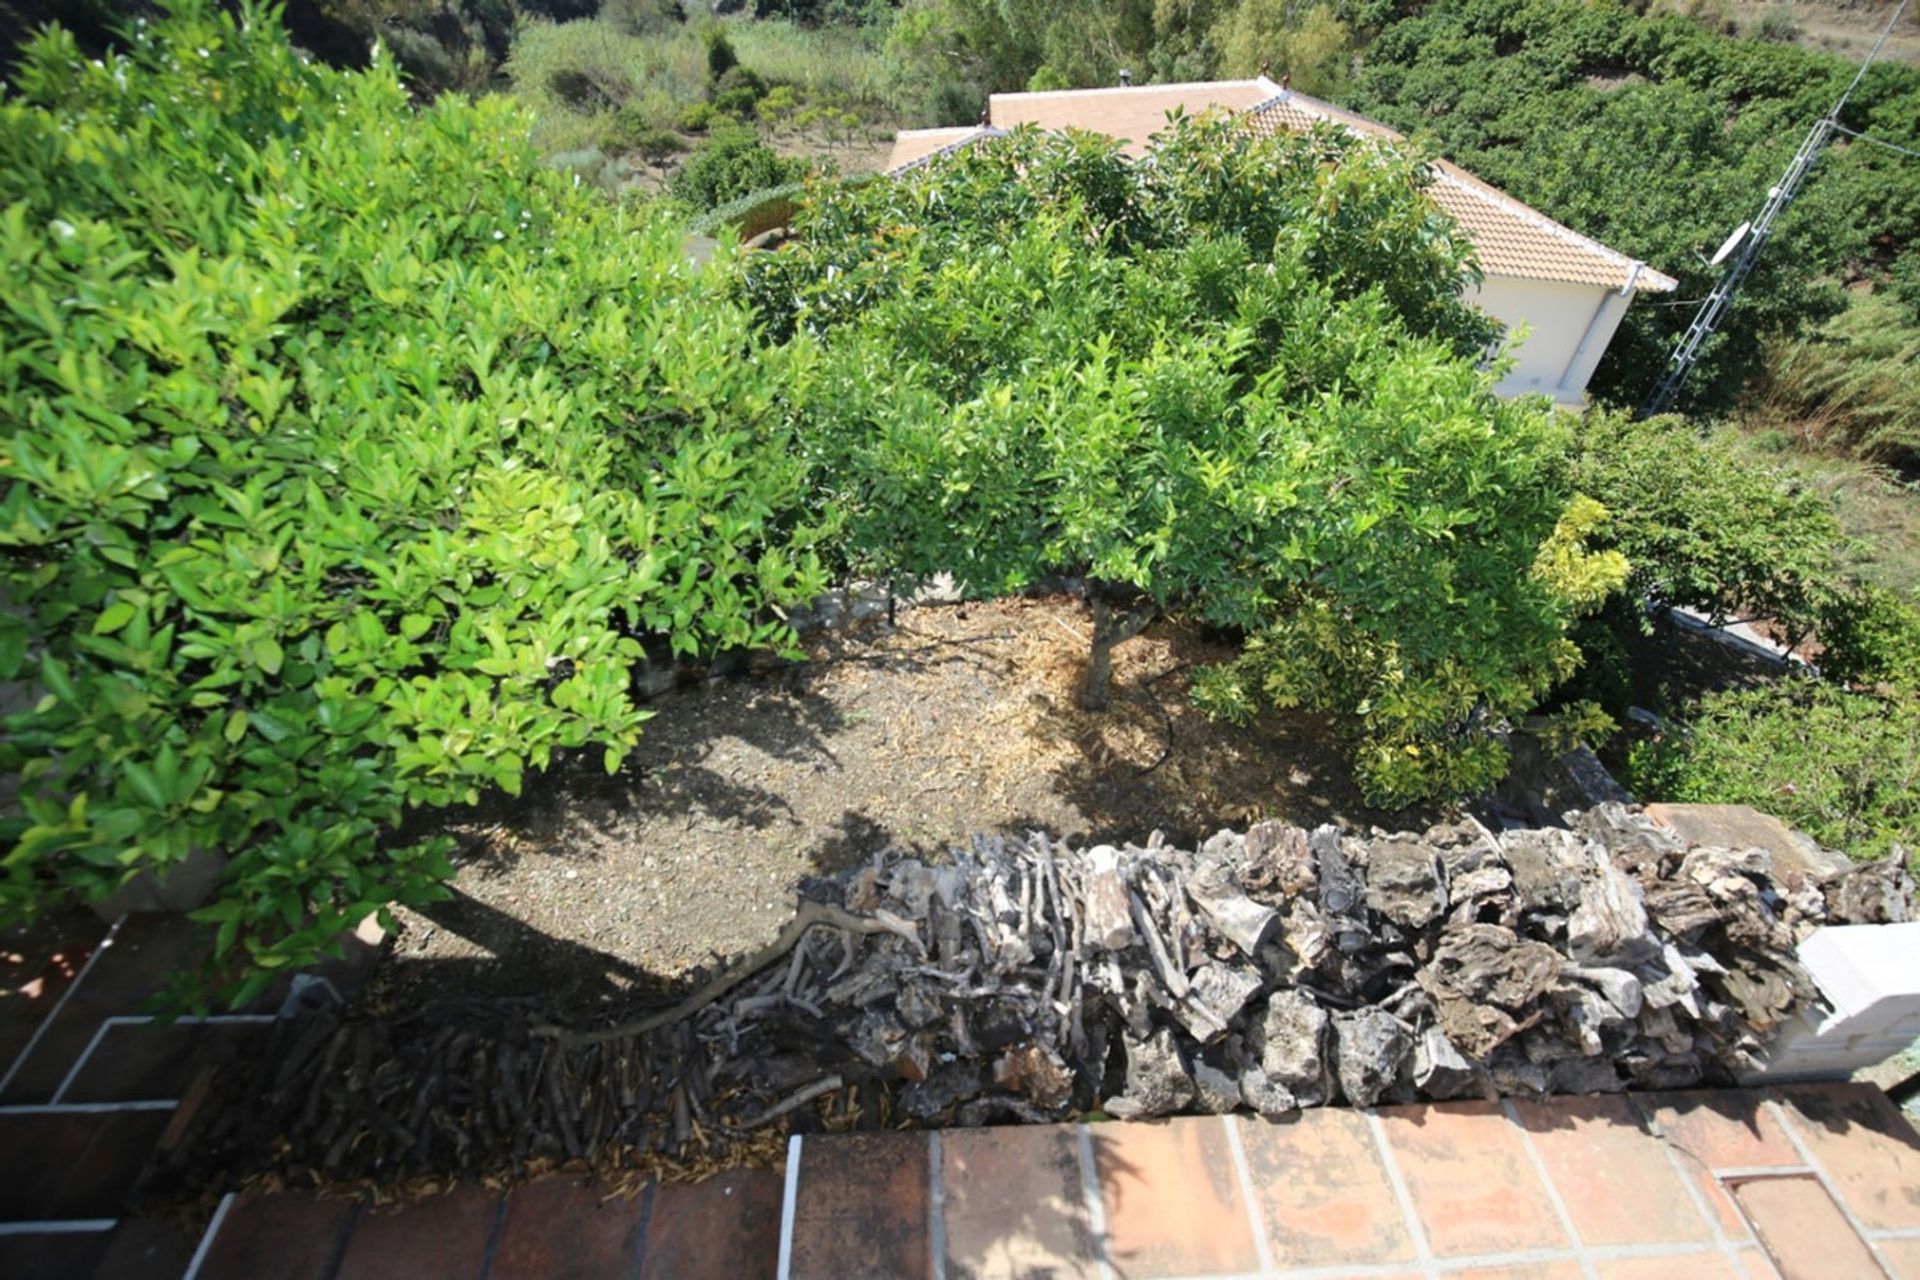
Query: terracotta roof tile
1511	239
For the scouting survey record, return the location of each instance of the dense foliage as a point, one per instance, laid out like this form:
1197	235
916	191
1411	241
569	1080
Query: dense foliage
1658	137
1843	766
352	453
1237	381
1703	526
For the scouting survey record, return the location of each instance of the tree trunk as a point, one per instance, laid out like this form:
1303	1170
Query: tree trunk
1109	629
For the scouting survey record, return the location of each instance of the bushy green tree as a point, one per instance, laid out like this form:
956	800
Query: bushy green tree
731	163
1236	382
351	453
1703	526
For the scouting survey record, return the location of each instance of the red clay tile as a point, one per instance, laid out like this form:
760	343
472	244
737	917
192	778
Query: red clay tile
1719	1129
725	1228
1172	1199
567	1229
1015	1204
290	1235
1803	1230
98	1181
1615	1181
65	1255
1521	1271
1693	1266
1754	1260
860	1208
146	953
144	1061
1903	1256
441	1237
145	1248
1865	1145
1471	1181
1322	1192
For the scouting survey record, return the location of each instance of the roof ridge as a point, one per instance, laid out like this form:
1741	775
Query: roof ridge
1130	88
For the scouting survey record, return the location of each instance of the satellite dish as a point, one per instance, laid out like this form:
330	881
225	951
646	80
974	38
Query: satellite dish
1732	243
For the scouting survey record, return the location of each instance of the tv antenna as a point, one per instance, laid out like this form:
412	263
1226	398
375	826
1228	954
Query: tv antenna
1751	237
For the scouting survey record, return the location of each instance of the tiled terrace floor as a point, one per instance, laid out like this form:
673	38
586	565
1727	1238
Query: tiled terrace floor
1811	1183
1818	1182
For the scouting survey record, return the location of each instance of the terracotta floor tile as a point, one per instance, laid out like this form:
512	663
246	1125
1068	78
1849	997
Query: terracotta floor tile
1322	1191
65	1255
145	1061
1612	1174
1691	1266
1171	1197
1015	1204
1719	1129
1755	1262
145	954
100	1183
441	1237
568	1229
1471	1182
1521	1271
1903	1256
146	1248
860	1208
1803	1230
1866	1146
290	1235
726	1228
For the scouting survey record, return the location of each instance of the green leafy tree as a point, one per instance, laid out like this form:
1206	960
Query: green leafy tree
353	452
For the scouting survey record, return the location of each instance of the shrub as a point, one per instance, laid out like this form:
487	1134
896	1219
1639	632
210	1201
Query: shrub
776	107
1843	767
1870	635
720	55
1703	526
374	452
732	162
1238	384
696	118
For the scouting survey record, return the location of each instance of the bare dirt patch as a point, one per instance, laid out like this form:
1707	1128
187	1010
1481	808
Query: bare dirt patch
961	719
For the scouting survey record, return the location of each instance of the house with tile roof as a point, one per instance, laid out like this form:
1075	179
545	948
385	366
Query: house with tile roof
1561	293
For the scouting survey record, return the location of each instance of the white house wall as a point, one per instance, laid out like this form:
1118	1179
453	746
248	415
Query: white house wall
1567	328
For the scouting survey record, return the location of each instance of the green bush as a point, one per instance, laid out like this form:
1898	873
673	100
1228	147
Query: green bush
1843	767
1870	635
1703	526
696	118
732	162
1238	384
352	453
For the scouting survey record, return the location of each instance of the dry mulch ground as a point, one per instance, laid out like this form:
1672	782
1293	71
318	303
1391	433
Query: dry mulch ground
960	719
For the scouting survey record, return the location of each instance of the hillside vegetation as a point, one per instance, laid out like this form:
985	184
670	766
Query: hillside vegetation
360	455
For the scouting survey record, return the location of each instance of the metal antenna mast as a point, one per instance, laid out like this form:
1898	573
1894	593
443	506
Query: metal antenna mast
1686	353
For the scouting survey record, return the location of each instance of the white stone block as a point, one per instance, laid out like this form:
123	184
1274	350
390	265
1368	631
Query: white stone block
1869	976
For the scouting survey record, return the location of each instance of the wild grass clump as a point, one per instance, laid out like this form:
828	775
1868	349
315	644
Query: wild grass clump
1852	386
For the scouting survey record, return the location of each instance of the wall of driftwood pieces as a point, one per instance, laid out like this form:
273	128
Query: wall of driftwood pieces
1030	980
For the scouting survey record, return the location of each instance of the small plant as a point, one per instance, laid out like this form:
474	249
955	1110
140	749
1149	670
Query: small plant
777	107
732	162
697	118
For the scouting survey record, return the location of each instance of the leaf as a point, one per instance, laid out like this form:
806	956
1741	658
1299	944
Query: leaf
267	655
236	726
112	618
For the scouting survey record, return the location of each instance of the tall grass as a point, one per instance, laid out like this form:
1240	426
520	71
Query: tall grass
1852	387
576	75
842	66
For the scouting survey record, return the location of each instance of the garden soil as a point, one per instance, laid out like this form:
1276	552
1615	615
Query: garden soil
960	719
